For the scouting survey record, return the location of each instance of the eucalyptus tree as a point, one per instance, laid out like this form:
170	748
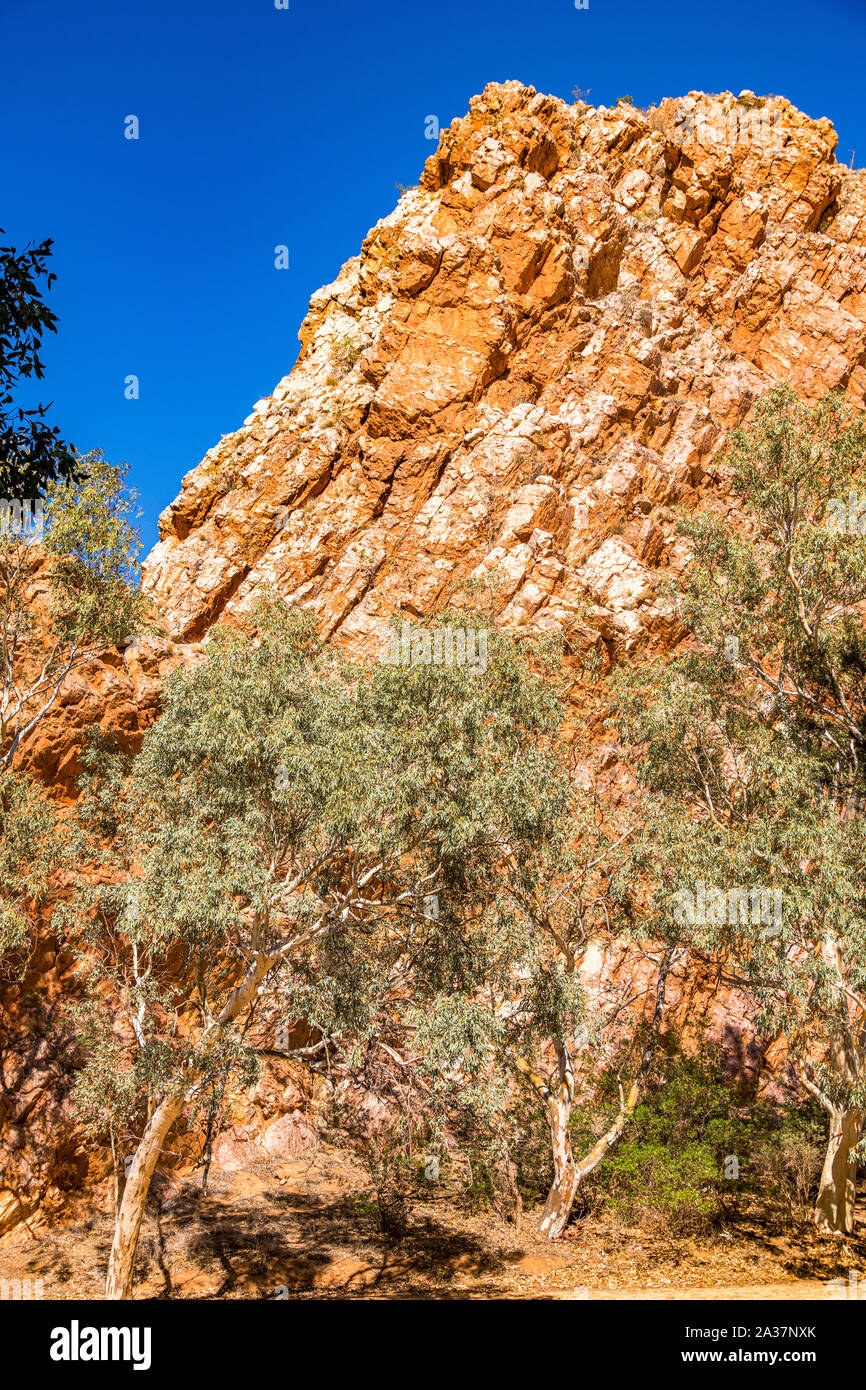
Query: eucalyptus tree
495	986
510	1010
27	828
751	749
297	832
240	833
68	590
480	993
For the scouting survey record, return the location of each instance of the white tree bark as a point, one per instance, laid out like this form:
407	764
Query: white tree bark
837	1190
128	1221
559	1102
134	1200
568	1175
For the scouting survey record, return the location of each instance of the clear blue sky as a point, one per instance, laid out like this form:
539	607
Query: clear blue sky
261	127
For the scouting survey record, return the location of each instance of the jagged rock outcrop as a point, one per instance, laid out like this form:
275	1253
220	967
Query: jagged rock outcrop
536	355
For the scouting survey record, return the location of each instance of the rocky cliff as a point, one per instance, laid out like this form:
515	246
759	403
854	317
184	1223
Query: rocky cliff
532	360
535	357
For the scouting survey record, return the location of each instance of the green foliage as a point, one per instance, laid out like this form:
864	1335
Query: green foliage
89	558
698	1151
502	986
91	552
31	452
27	823
294	814
347	349
94	548
107	1086
530	1148
750	744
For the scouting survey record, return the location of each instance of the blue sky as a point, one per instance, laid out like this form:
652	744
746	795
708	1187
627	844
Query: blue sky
261	127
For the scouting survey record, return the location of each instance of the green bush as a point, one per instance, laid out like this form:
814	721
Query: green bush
699	1151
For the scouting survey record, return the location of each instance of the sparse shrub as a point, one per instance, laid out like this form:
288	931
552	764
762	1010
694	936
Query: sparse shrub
532	1157
227	476
393	1212
788	1159
345	353
392	1174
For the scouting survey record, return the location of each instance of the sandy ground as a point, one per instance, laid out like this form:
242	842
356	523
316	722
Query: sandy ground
308	1229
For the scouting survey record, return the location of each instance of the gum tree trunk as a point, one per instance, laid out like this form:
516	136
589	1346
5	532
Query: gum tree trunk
846	1063
837	1191
127	1224
134	1200
566	1178
568	1174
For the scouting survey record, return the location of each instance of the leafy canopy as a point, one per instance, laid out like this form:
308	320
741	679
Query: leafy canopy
31	452
67	595
750	742
284	835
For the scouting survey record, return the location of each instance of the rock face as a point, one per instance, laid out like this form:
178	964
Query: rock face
119	692
534	357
